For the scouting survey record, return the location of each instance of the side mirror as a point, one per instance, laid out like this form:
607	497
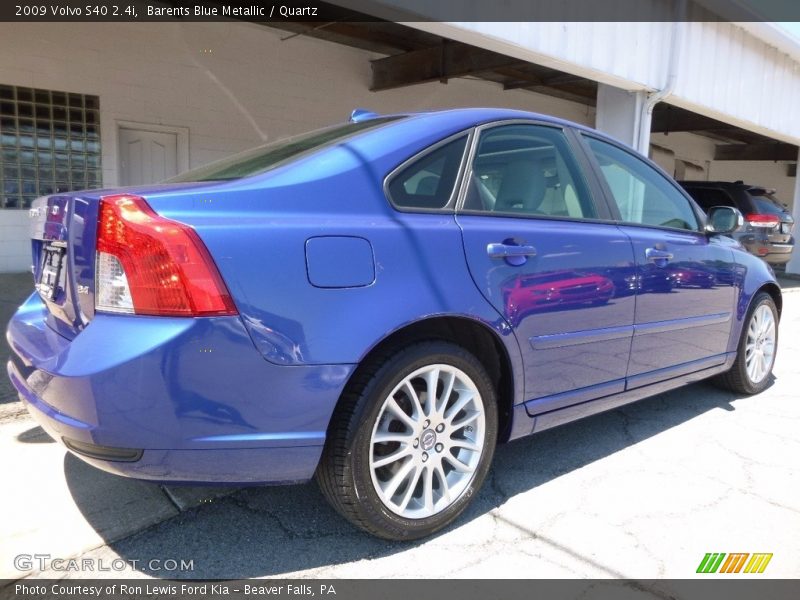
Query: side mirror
723	219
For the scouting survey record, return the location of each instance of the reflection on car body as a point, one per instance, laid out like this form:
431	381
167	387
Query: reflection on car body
555	290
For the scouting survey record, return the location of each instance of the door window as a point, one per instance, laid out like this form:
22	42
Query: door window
527	170
641	193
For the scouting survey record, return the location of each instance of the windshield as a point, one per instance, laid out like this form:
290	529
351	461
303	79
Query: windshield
262	158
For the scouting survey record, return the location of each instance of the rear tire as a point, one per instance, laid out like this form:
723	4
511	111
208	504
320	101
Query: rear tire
758	346
400	462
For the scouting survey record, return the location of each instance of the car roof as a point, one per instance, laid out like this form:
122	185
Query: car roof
751	189
476	116
727	185
456	119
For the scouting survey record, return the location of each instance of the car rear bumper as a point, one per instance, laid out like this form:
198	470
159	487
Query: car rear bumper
772	252
779	253
166	399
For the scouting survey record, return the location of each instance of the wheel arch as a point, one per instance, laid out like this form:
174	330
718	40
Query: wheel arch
472	335
775	292
748	288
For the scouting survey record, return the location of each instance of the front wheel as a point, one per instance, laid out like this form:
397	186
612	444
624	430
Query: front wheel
757	348
411	441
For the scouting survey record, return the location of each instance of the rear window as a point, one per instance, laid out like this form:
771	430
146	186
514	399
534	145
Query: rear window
767	204
266	157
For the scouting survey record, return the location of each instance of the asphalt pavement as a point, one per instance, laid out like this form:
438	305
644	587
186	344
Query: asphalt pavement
644	491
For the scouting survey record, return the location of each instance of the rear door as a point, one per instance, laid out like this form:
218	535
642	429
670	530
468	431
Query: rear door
684	278
146	156
539	250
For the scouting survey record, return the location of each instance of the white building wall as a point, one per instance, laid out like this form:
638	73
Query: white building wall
725	70
727	73
232	85
627	55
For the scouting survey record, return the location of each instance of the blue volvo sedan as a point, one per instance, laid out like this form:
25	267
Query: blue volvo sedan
378	305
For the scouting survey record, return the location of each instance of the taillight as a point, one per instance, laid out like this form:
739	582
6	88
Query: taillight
757	220
149	265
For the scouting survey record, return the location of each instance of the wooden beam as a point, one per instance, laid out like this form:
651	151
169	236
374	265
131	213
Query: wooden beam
556	80
671	119
588	100
760	151
437	63
521	84
732	135
365	36
519	73
563	79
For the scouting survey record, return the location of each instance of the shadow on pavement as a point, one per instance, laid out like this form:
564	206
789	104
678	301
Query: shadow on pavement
270	531
788	282
35	435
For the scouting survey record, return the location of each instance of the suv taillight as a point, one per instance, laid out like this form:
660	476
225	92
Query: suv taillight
758	220
149	265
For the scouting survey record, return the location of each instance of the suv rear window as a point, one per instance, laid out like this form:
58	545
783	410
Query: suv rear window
766	204
266	157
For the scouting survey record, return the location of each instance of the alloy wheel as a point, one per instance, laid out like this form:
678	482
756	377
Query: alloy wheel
427	441
760	344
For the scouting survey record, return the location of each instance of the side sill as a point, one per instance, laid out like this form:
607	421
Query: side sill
525	424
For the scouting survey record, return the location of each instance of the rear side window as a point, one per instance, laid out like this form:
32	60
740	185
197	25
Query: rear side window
428	182
268	156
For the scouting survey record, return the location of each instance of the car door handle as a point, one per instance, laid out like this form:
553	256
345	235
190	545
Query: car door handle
509	250
657	256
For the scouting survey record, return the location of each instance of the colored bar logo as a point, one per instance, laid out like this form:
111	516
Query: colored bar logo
717	562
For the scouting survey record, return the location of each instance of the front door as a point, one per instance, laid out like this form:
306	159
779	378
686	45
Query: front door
538	253
684	278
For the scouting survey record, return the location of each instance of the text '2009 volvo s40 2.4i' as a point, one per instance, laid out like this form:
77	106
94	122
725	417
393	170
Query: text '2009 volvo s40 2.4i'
377	305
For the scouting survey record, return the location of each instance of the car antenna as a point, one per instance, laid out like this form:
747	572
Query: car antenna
362	114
